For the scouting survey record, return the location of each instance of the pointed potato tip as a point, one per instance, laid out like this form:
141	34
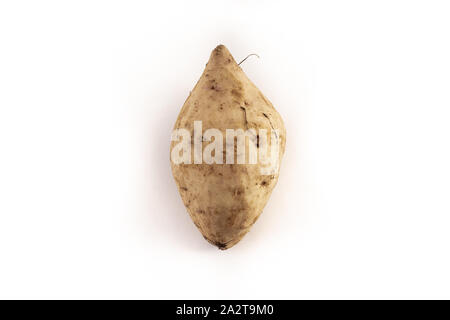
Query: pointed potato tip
220	48
218	244
226	245
221	55
221	245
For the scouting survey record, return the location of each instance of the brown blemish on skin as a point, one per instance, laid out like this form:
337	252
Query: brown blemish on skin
245	117
236	93
184	188
232	218
237	191
218	50
213	85
264	183
220	245
270	122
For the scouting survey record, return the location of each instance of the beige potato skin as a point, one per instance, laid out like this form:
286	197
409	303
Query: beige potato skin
225	200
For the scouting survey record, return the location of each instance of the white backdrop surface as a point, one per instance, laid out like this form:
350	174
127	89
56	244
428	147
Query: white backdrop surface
90	90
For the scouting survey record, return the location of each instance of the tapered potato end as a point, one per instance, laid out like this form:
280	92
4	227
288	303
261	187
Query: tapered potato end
225	245
220	56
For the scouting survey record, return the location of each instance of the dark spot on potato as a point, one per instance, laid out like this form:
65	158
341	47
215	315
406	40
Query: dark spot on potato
220	245
264	183
236	93
245	117
232	218
184	188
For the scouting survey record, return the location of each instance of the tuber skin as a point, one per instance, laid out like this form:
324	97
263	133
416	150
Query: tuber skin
225	200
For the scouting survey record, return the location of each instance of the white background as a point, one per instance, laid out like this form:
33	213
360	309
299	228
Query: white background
90	90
